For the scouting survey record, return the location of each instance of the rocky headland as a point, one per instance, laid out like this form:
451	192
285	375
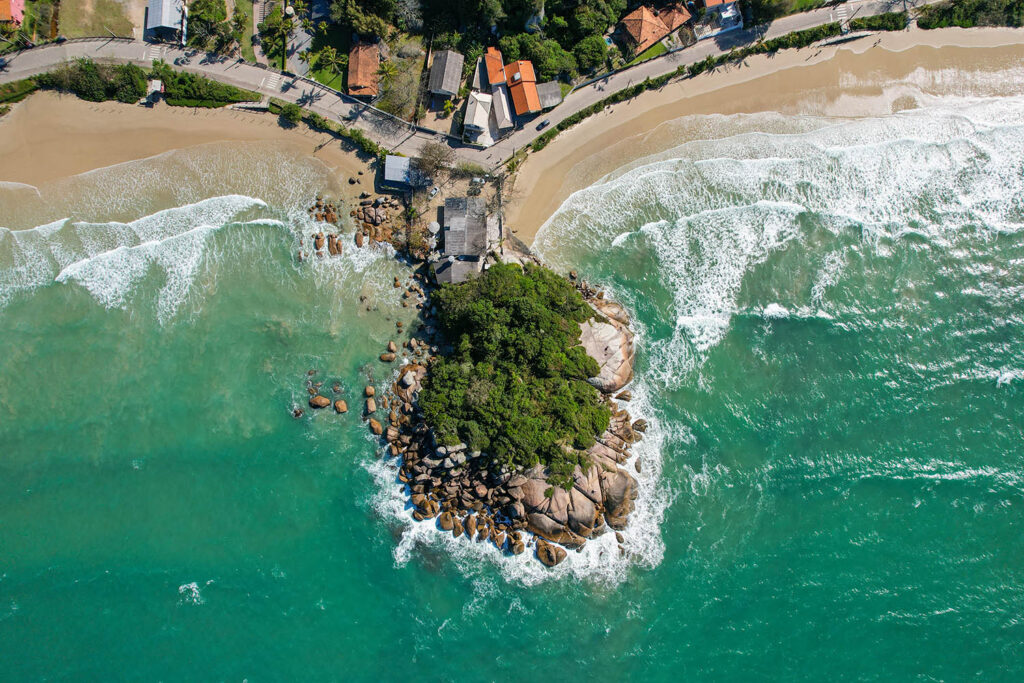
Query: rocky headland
517	508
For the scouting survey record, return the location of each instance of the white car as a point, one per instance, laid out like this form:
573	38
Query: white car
433	190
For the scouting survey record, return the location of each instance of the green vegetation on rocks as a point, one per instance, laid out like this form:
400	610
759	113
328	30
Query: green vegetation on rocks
970	13
514	383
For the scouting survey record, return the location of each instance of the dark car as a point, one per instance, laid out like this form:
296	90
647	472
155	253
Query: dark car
543	124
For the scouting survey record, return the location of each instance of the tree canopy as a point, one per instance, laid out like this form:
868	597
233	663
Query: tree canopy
514	384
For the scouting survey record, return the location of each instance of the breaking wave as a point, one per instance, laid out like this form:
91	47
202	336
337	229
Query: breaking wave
712	211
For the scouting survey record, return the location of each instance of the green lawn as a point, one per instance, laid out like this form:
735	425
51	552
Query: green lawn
338	38
250	28
650	53
85	18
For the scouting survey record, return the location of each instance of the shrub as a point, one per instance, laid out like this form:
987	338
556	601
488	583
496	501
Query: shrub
890	21
182	89
515	380
16	91
969	13
97	82
292	113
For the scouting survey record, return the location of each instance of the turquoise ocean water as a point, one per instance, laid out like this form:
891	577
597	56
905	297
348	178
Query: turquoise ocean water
831	354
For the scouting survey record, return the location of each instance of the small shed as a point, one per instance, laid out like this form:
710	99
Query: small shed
446	74
549	94
399	172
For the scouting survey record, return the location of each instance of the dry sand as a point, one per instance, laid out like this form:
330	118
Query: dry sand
48	136
844	80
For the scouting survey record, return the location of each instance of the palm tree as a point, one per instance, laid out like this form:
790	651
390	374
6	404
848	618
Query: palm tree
387	71
329	60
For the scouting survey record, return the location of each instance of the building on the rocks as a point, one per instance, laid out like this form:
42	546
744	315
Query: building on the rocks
446	74
465	237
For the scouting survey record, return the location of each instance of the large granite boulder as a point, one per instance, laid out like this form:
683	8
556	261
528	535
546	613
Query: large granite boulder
611	345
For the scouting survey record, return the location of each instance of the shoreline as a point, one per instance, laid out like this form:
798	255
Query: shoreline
811	81
50	137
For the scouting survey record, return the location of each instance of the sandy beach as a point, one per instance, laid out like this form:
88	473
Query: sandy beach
852	79
50	136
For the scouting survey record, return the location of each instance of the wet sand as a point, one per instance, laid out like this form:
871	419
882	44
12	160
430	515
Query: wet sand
849	80
49	136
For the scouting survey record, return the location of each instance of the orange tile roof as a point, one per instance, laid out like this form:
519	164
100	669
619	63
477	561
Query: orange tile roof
363	61
712	3
522	86
644	28
12	11
674	17
495	70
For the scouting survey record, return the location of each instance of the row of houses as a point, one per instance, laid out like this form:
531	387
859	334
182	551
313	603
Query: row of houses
502	95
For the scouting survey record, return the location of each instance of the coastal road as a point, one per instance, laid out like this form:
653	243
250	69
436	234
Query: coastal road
392	133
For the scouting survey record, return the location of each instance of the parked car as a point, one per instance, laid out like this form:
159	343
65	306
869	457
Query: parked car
433	191
543	124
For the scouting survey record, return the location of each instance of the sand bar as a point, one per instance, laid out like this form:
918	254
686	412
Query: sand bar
844	80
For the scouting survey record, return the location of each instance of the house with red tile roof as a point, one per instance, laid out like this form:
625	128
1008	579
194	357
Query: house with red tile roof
363	62
494	66
522	86
12	12
643	27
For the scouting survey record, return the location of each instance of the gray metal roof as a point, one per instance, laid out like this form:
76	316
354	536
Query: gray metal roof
550	94
164	14
456	272
446	73
396	169
465	227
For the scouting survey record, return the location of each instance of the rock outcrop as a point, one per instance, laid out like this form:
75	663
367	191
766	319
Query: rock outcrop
611	345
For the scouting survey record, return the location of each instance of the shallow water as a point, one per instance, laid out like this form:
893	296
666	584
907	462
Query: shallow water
831	349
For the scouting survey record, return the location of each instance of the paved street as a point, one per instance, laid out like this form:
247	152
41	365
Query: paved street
385	130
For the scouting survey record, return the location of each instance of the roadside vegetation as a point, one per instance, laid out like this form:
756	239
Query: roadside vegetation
514	383
970	13
797	39
94	82
182	89
16	91
292	114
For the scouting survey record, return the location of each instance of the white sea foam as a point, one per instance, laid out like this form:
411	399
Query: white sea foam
189	594
774	310
109	259
711	210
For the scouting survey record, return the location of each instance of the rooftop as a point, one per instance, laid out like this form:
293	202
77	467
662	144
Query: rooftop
478	110
465	227
363	62
644	28
674	17
446	73
493	66
12	11
522	86
160	13
549	94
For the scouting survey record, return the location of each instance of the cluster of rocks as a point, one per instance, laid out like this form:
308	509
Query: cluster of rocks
472	496
374	218
324	211
318	401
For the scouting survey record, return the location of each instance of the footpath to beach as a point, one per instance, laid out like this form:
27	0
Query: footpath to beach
396	135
